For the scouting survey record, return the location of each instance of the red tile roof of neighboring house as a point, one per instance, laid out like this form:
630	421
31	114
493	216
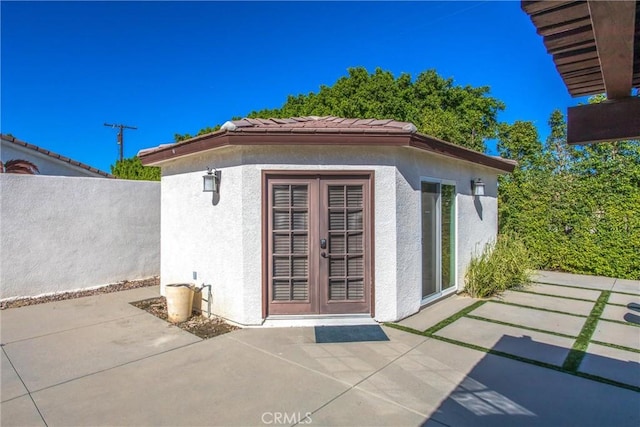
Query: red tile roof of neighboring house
313	130
57	156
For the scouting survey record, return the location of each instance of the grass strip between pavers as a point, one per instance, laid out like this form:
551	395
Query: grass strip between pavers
443	323
538	363
579	349
551	295
538	308
619	347
514	325
621	322
449	320
593	316
587	289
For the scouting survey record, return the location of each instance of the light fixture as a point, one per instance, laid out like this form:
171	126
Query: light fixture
211	181
477	187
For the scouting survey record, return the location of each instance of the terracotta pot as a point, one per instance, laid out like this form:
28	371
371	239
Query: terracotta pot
179	301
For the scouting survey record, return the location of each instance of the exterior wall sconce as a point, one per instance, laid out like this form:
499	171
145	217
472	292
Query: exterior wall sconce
477	187
211	181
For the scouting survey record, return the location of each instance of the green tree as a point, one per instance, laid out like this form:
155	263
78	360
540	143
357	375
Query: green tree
132	168
574	207
464	115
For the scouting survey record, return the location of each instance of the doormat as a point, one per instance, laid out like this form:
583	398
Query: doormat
355	333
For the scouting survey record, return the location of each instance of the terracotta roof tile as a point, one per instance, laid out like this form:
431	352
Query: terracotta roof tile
317	123
57	156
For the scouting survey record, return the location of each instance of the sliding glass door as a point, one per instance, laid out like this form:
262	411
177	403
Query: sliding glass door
438	206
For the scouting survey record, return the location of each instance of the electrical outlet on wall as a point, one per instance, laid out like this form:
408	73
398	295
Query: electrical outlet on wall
195	275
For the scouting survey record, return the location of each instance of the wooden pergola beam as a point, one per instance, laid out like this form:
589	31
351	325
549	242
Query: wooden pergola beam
614	28
607	121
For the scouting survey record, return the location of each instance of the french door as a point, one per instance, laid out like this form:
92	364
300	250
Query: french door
438	204
318	244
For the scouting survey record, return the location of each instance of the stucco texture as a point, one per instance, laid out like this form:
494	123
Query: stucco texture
67	233
221	239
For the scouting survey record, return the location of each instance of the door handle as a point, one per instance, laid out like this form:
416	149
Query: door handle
323	243
323	254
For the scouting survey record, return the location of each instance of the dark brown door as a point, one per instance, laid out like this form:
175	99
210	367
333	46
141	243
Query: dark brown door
319	258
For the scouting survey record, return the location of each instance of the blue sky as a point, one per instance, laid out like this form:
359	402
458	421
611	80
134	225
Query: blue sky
176	67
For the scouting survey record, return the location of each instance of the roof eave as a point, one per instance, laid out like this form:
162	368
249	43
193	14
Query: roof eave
397	139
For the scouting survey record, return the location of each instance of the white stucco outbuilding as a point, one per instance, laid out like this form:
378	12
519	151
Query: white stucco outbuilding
323	218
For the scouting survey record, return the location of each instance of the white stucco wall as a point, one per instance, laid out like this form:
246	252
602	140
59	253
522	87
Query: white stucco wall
477	218
47	165
67	233
222	242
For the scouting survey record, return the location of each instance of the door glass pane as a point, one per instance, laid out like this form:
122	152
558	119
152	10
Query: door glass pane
281	290
346	243
336	196
337	289
290	243
355	290
354	196
429	193
336	219
448	235
354	220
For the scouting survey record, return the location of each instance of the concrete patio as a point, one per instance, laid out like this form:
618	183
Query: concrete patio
100	361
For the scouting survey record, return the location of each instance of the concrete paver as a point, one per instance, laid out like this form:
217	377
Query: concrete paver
539	319
520	342
27	322
370	409
616	333
116	368
90	349
564	291
613	363
624	299
621	314
578	280
437	312
347	362
217	382
547	302
625	285
457	386
11	386
20	412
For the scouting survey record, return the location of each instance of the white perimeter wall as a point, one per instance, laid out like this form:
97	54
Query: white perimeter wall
222	242
67	233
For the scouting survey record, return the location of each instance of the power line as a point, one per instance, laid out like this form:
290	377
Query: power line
120	140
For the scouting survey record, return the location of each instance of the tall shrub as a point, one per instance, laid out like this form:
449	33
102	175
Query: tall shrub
503	264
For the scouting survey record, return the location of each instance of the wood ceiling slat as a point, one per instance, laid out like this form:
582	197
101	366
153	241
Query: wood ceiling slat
568	36
574	36
573	47
591	77
587	91
559	16
575	66
532	7
565	26
575	56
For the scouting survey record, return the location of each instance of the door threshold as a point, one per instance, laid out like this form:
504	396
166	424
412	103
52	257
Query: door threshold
292	321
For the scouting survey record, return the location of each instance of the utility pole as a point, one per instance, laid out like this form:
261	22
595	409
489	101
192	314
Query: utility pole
120	136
